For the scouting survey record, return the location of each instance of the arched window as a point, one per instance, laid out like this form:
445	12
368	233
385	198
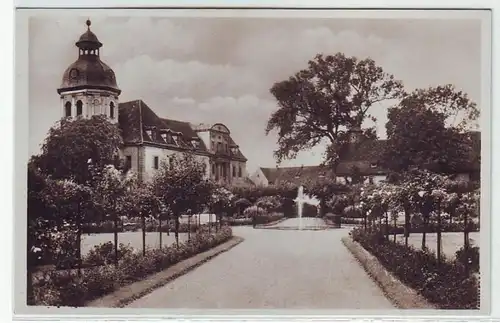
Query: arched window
79	108
234	171
67	109
239	171
112	110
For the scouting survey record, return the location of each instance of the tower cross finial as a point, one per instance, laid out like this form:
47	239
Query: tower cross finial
88	23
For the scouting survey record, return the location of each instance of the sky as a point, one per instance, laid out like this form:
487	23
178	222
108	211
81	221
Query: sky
221	69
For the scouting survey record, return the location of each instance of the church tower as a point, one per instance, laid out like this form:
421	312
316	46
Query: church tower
88	85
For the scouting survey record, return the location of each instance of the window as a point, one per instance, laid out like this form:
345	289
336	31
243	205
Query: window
128	162
171	162
213	169
156	162
79	108
112	110
67	109
150	134
234	171
239	171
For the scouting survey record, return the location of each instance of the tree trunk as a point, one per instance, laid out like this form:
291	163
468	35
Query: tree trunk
143	219
115	234
159	230
189	227
407	226
209	222
79	240
386	226
395	224
424	232
439	233
177	224
365	220
466	231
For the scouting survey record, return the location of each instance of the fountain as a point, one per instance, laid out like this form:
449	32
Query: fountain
300	204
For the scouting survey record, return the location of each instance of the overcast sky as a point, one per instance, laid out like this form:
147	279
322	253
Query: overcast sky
221	69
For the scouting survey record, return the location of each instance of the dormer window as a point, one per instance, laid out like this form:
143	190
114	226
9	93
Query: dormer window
195	143
175	137
164	137
150	134
373	165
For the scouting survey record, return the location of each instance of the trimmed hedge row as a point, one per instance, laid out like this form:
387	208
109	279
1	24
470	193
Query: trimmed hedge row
449	285
265	219
68	288
107	227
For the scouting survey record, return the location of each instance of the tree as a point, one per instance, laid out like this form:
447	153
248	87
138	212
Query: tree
72	142
220	202
423	131
144	204
181	186
327	100
111	187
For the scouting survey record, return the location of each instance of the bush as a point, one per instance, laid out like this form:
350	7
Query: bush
263	219
254	211
447	285
469	257
104	254
67	288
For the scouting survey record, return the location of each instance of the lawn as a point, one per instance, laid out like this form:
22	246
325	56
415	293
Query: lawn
451	241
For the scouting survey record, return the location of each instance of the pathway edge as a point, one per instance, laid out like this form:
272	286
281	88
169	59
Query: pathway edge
402	296
129	293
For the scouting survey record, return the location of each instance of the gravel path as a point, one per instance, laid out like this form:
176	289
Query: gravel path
275	269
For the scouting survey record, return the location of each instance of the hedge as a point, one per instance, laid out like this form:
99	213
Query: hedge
259	220
68	288
449	285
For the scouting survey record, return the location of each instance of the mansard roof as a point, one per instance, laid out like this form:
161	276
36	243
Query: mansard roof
136	119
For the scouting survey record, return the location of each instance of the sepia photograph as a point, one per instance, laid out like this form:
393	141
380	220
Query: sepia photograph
259	160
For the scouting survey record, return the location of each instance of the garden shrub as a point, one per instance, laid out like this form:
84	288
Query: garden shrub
104	253
67	288
447	285
469	256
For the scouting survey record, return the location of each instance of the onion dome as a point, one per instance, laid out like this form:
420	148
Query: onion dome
88	71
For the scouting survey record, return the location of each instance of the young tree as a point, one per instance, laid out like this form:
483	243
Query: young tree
426	130
327	100
111	187
72	142
181	186
144	204
220	202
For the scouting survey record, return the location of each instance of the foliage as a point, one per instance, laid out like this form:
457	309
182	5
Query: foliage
309	210
269	203
72	142
324	101
66	288
469	257
418	134
446	284
254	211
181	185
103	254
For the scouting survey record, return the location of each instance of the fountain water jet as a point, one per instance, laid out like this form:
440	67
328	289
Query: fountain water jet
300	204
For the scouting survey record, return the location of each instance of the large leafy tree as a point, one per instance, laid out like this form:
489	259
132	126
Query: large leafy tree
182	187
427	130
72	142
324	101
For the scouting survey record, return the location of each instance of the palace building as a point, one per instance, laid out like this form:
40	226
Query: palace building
89	88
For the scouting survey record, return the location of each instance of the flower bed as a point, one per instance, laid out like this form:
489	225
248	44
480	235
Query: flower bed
449	285
68	288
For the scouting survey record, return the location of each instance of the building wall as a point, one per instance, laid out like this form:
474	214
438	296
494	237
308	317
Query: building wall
142	159
94	102
258	178
205	137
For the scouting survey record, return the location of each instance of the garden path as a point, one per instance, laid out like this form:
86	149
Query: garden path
275	269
